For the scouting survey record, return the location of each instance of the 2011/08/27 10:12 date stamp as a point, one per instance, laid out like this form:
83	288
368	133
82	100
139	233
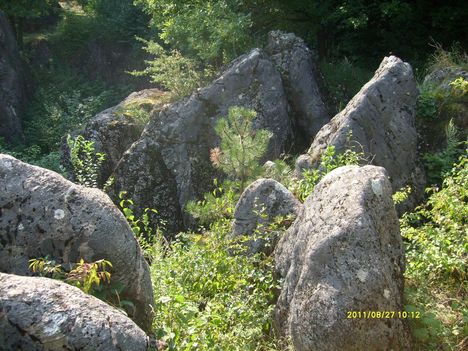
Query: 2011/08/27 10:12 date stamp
383	314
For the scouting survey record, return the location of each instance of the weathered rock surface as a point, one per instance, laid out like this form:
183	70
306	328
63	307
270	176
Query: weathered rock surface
281	88
302	82
12	84
43	214
143	174
45	314
343	253
381	118
183	133
260	203
114	130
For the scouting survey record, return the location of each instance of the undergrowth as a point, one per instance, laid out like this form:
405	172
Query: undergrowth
436	237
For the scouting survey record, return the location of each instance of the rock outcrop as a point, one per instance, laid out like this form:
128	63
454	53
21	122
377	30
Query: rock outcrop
183	133
12	84
259	205
302	82
381	118
43	214
343	253
45	314
143	174
115	129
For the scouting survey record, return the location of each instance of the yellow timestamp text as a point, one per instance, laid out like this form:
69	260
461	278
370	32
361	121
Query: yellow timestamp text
383	314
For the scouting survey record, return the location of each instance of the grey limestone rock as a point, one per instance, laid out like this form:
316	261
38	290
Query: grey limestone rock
381	118
343	253
45	314
260	203
43	214
302	82
183	133
115	129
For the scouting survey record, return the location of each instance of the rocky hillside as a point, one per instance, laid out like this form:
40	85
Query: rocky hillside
242	215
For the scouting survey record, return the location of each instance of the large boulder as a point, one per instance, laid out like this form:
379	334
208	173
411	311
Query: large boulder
259	205
115	129
343	253
45	314
143	174
381	118
13	89
183	133
302	82
43	214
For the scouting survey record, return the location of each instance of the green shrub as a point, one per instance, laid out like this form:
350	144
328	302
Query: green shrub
438	164
145	233
343	79
212	32
241	147
58	109
85	161
92	278
207	299
436	232
427	103
329	161
216	205
436	240
174	72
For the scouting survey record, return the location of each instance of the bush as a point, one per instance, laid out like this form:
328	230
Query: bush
222	302
436	242
211	32
329	161
241	147
438	164
63	102
85	161
436	232
174	72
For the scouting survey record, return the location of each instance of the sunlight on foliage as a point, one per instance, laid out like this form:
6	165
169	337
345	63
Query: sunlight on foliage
242	147
436	238
329	161
85	161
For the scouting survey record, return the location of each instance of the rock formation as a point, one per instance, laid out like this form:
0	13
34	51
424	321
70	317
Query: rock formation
343	253
302	82
12	84
259	205
45	314
183	133
114	130
381	118
43	214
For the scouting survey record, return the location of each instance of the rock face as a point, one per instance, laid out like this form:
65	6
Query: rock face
259	204
114	130
45	314
183	133
143	174
343	253
381	118
302	82
12	84
43	214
